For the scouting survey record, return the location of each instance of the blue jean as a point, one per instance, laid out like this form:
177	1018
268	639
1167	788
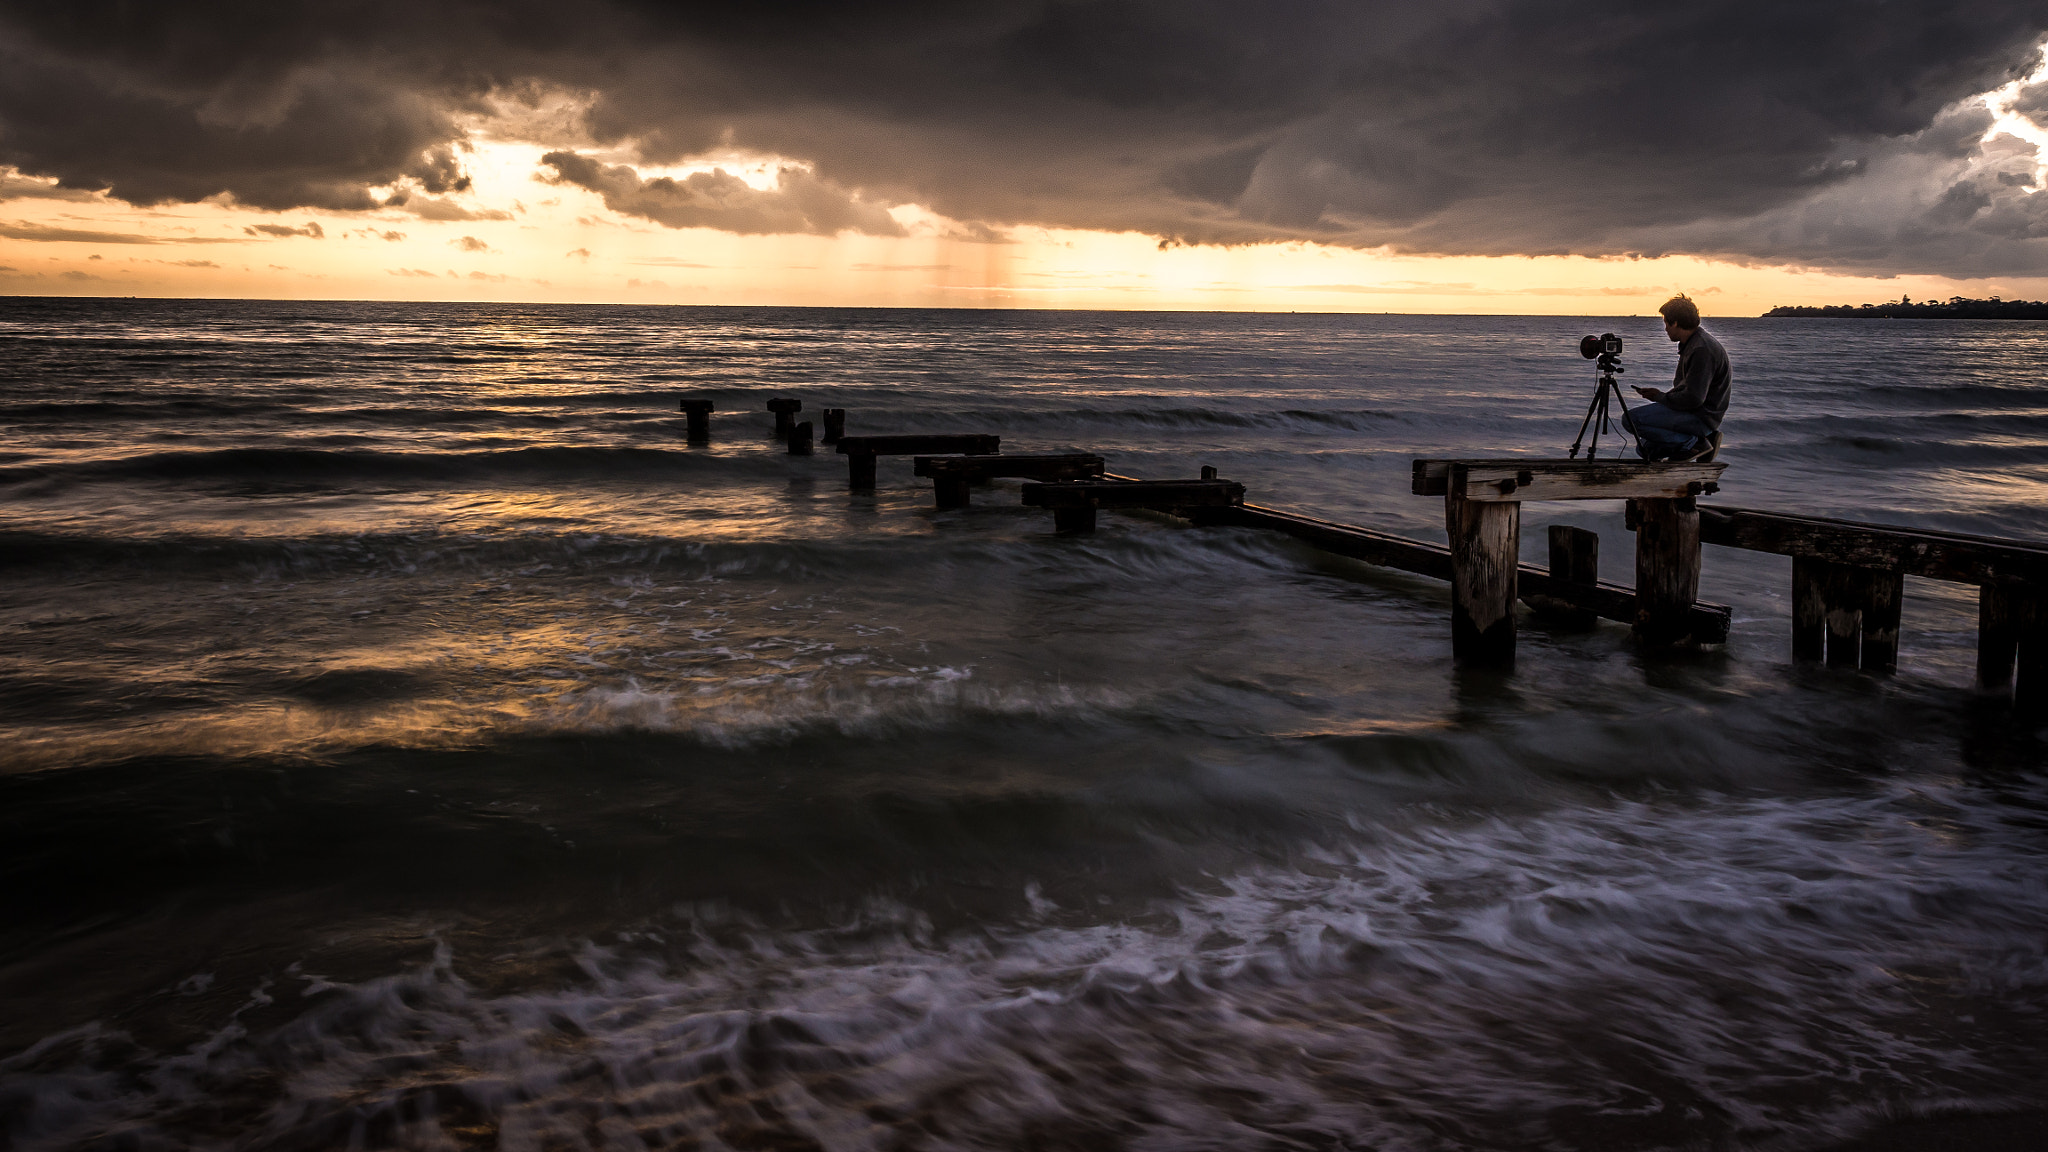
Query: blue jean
1662	430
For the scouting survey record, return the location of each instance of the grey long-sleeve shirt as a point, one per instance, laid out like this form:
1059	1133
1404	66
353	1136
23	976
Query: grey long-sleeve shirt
1703	380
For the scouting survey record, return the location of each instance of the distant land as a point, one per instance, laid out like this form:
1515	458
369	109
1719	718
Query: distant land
1953	308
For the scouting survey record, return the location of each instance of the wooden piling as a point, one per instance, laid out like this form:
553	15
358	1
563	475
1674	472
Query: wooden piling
800	439
1884	595
698	413
1997	634
951	491
1574	559
1208	471
1809	608
1843	592
784	407
1485	559
1078	521
835	425
2030	626
1667	568
860	470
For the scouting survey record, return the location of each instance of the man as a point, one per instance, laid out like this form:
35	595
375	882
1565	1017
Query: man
1684	422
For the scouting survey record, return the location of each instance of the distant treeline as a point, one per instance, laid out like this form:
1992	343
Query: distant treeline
1953	308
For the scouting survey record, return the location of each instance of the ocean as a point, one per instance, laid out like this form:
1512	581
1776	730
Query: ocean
408	741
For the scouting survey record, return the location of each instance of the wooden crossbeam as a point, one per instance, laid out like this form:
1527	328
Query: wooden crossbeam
1511	478
1935	555
1035	466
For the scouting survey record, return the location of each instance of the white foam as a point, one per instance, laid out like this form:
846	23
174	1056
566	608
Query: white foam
1744	970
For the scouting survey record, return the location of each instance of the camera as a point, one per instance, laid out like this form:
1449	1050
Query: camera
1607	343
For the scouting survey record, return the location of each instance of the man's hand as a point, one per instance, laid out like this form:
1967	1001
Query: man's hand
1650	393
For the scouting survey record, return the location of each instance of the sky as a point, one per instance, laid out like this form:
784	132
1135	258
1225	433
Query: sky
1476	156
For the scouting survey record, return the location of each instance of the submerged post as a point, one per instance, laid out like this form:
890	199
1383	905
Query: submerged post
835	425
783	406
800	439
699	414
1574	559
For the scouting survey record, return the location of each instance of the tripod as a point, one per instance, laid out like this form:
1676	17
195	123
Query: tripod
1597	411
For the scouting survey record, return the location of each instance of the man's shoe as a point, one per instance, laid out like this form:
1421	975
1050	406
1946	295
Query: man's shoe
1706	454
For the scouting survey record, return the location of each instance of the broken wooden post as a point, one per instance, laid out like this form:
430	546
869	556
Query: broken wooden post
783	407
860	451
698	413
1208	472
800	439
1574	559
1667	568
1484	545
835	425
1485	559
1073	502
951	475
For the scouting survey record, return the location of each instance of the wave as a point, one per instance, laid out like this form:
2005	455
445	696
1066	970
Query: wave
1743	972
303	466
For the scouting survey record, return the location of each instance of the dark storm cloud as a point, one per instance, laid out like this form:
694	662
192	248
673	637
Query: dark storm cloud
1747	128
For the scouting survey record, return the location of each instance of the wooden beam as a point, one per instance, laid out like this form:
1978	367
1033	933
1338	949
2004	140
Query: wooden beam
1159	494
1935	555
1519	479
1035	466
916	443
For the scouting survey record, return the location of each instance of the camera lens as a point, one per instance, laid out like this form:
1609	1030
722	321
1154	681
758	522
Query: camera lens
1589	346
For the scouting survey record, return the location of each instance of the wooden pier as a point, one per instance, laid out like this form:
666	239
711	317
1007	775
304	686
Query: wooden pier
1848	578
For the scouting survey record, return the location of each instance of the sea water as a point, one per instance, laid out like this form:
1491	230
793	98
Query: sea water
408	740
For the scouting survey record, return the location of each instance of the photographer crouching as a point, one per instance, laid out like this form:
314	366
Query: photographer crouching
1684	422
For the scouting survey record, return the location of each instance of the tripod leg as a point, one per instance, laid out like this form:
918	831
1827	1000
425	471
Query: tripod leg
1583	424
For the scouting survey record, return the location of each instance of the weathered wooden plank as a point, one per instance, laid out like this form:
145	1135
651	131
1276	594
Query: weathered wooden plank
1935	555
1036	466
1518	479
1163	494
916	443
1667	569
1485	539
